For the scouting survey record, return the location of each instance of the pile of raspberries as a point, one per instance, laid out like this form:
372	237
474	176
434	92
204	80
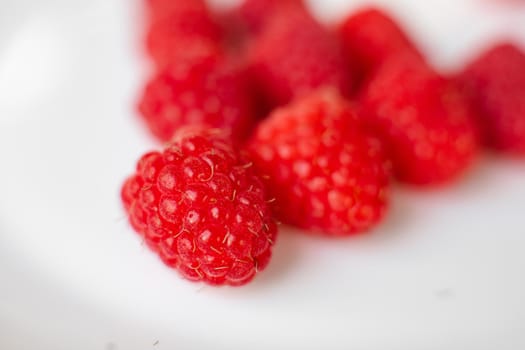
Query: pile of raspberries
268	116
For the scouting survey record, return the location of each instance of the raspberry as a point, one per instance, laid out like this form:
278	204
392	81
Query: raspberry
424	121
495	86
255	13
184	31
210	92
295	55
370	37
202	208
325	173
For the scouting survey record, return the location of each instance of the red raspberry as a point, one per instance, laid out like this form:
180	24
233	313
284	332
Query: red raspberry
295	55
210	92
202	208
183	32
370	37
495	85
255	13
325	173
424	121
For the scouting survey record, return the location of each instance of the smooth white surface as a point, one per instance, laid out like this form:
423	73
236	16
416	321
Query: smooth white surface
445	270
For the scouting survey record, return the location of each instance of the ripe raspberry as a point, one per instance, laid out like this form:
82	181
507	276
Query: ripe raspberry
295	55
202	208
185	31
424	121
495	86
255	13
325	173
370	37
210	92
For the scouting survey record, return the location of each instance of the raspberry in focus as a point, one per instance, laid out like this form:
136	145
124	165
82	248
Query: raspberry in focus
325	172
202	208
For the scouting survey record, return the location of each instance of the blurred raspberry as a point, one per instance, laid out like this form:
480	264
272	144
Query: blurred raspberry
422	118
495	86
211	92
185	31
370	37
295	55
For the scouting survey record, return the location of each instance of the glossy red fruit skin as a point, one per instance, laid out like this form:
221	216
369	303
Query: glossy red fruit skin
295	55
326	173
202	208
494	83
423	119
212	92
370	37
256	13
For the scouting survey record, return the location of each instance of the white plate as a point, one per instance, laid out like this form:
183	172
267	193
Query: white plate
445	270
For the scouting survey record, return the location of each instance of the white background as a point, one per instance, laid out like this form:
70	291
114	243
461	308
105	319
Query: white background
444	271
